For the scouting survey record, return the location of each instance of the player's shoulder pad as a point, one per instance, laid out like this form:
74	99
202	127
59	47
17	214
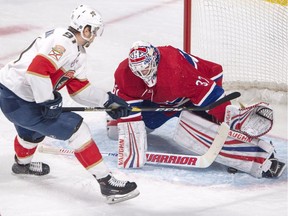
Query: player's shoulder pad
64	37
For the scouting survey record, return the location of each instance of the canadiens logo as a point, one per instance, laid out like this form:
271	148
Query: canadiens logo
138	55
57	52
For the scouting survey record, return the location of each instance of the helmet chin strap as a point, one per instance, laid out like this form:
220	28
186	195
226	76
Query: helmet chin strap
87	44
88	40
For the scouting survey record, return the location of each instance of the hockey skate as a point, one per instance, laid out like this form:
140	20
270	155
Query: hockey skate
276	169
117	191
33	168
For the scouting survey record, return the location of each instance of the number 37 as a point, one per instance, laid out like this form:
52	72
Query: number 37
202	81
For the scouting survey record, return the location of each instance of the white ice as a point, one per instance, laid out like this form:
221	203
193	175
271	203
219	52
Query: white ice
69	190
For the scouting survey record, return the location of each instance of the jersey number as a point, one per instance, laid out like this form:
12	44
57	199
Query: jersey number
202	81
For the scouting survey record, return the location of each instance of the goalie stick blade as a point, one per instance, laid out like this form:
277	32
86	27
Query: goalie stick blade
199	161
167	159
209	157
113	199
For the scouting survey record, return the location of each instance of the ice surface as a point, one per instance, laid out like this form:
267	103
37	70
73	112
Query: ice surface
69	190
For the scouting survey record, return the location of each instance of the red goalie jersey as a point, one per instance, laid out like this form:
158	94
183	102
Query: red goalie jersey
180	79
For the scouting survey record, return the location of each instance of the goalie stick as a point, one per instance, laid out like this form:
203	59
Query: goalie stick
226	98
168	159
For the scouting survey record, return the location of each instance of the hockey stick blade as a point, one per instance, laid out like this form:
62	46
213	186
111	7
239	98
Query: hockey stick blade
202	161
209	157
226	98
167	159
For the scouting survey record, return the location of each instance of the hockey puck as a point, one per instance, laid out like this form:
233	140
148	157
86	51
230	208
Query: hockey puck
232	170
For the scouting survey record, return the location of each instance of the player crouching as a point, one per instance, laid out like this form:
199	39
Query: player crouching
165	76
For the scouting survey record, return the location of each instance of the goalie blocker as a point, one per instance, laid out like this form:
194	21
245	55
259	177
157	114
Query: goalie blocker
250	155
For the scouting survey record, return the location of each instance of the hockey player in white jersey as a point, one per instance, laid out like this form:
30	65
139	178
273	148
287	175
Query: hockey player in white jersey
29	98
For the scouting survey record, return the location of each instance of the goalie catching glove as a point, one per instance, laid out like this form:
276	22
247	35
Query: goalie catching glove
253	121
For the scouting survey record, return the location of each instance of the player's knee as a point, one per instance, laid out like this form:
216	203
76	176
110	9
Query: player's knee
80	137
32	139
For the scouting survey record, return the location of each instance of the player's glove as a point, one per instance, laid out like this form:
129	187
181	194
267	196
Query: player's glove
119	107
52	109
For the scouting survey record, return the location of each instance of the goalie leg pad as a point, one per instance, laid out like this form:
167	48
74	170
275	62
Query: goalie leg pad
241	152
112	129
132	144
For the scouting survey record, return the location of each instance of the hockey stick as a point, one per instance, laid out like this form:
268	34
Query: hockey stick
167	159
226	98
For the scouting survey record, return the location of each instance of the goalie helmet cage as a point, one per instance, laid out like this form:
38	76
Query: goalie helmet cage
247	37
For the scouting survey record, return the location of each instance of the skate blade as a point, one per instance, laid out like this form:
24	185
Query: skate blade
120	198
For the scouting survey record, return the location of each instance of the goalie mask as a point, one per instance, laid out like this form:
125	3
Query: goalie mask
143	61
84	16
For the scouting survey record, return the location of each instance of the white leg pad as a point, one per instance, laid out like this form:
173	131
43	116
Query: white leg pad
132	144
111	127
244	153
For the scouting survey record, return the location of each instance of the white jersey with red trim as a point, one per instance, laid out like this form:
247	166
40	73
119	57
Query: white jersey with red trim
52	61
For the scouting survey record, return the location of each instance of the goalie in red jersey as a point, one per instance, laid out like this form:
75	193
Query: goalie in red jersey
165	76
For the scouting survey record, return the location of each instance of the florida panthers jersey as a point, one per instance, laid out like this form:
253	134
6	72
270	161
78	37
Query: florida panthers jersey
180	78
52	61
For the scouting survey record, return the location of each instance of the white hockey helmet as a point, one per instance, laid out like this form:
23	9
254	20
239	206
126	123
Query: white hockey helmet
143	61
85	15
